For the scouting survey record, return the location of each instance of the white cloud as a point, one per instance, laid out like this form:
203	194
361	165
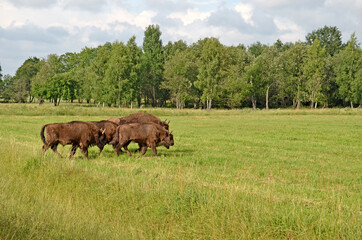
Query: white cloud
191	16
355	4
246	12
289	31
40	27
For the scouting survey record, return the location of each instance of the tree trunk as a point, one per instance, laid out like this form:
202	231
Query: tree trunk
208	103
153	96
267	98
351	104
253	101
315	105
298	98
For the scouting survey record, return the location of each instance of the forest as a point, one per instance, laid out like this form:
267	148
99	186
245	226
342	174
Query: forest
320	72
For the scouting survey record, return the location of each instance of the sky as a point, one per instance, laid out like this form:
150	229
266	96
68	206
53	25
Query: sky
37	28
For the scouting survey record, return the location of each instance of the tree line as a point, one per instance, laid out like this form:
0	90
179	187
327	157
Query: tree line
320	72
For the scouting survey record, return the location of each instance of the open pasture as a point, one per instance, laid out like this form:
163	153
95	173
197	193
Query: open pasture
232	174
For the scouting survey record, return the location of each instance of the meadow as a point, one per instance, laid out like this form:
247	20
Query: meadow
232	174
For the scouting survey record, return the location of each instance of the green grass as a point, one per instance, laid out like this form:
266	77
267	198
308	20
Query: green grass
232	174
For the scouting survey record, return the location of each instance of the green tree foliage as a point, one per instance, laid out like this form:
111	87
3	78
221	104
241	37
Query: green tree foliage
180	74
320	72
348	65
211	70
6	90
84	74
1	75
97	86
235	89
152	64
135	54
291	82
23	79
172	47
329	37
117	77
48	83
256	49
314	73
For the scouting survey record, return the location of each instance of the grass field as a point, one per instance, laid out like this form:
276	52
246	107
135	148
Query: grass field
232	174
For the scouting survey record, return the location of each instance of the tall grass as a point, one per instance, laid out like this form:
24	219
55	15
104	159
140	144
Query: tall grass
232	174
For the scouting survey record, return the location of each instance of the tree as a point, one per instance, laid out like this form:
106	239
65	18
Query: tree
70	83
348	64
118	74
256	49
135	54
180	74
291	83
152	63
23	79
211	70
6	90
235	89
2	84
171	48
329	37
313	71
1	75
98	68
84	74
48	81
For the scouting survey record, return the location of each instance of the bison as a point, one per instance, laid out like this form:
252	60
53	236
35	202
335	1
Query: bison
140	118
109	129
76	133
145	134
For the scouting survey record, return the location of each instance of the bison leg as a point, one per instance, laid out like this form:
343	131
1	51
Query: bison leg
140	148
154	150
143	148
116	149
72	151
44	149
85	151
54	148
125	148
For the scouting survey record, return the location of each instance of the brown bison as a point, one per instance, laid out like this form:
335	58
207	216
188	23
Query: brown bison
140	118
109	128
76	133
145	134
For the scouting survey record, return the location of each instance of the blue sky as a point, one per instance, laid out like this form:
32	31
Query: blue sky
40	27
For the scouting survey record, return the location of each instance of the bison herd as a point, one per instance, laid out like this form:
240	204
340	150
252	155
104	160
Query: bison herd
143	128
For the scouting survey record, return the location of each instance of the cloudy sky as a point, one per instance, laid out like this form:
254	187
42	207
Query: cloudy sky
40	27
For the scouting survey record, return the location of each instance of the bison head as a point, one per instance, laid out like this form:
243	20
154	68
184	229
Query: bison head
102	138
167	139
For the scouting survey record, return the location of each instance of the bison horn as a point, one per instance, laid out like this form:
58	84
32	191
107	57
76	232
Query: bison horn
103	131
168	121
171	132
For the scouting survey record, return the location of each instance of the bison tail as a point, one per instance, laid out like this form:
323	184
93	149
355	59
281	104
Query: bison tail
42	134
